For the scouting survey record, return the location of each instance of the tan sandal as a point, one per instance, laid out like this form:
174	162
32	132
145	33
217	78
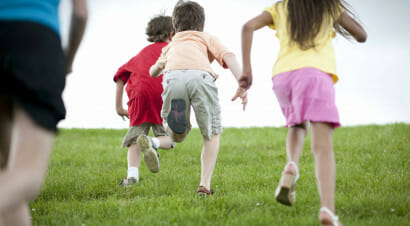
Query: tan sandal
285	192
334	221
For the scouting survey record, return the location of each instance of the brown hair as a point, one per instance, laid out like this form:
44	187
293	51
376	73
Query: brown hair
188	16
159	28
307	17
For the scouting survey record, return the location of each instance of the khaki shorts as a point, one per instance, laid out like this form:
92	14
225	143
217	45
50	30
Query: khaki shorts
198	89
135	131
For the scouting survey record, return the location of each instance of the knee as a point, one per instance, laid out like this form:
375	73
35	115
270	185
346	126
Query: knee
320	148
32	183
35	188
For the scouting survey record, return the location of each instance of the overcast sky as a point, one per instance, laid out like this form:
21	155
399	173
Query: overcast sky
374	85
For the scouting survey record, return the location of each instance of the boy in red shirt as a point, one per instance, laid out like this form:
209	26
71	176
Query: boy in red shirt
145	102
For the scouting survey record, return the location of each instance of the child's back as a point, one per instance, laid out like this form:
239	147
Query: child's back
190	81
303	78
317	52
143	91
145	102
194	50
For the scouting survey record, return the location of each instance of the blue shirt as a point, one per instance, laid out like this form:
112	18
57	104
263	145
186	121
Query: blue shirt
40	11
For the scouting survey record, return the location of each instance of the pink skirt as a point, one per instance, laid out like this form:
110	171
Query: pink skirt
306	94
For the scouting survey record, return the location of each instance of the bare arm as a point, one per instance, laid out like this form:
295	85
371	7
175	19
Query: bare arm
77	28
352	26
264	19
233	65
156	69
118	99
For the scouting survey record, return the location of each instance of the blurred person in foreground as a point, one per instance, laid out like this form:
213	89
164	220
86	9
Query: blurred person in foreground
33	69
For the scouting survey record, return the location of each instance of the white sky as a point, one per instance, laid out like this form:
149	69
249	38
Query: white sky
374	85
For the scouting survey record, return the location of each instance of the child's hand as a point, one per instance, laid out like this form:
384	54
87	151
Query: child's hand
123	113
241	93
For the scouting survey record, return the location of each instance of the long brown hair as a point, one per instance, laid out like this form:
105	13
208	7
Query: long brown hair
306	18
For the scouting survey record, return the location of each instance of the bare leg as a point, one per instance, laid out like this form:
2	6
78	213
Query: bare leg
165	142
16	216
322	149
30	150
208	160
134	156
294	145
5	132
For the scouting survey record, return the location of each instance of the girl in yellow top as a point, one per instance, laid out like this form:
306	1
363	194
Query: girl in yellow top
303	78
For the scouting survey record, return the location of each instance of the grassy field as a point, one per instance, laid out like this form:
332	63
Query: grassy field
373	182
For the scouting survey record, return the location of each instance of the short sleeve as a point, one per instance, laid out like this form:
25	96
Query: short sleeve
122	74
218	50
272	10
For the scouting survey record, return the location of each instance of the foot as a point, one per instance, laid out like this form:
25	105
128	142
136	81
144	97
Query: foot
176	119
151	157
202	191
285	192
127	182
328	218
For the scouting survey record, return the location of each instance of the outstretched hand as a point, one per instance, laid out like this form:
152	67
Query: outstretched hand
241	93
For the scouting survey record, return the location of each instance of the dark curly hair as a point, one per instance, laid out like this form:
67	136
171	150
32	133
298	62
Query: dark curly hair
159	28
188	16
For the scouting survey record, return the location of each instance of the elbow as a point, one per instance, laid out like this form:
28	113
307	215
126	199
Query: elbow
80	12
81	16
247	28
362	37
152	72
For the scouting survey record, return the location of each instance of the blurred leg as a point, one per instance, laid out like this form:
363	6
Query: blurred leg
21	181
208	160
16	216
5	132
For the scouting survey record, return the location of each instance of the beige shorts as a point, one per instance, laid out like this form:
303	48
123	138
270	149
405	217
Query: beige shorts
198	89
135	131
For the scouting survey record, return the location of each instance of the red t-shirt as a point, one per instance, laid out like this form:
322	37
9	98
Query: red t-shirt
144	92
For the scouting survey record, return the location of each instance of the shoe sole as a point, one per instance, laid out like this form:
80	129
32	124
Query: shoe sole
176	119
150	155
283	196
283	192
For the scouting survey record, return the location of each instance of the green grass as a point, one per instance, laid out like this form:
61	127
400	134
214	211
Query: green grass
87	165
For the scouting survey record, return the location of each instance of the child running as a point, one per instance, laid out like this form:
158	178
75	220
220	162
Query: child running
33	69
145	102
190	81
303	79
